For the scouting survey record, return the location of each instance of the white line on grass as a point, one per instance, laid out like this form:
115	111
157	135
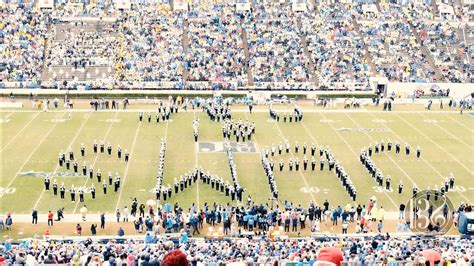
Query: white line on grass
196	164
439	146
31	154
57	165
19	132
128	164
461	124
95	160
468	145
357	155
263	111
424	160
311	135
301	173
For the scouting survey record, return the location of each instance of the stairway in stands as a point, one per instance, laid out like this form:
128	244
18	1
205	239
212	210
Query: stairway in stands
377	4
185	43
247	54
304	44
434	8
439	77
367	56
68	72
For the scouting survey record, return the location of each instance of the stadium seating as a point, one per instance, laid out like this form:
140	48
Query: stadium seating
332	45
375	250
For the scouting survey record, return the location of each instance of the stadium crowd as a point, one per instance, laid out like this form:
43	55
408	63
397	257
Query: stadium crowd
243	251
152	43
22	40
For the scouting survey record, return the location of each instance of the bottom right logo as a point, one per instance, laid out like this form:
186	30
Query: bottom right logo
429	212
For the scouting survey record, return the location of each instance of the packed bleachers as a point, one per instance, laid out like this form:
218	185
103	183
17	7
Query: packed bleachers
151	47
216	51
22	39
270	46
276	53
336	48
376	250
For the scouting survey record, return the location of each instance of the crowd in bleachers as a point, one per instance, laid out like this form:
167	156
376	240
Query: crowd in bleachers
151	47
355	250
335	47
22	39
276	53
216	50
151	43
448	49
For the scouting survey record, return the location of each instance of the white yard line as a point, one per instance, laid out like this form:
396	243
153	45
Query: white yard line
461	124
196	164
423	159
19	132
128	165
468	145
95	160
31	154
439	146
68	148
305	109
311	135
301	173
357	156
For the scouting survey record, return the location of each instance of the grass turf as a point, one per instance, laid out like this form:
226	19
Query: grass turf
32	141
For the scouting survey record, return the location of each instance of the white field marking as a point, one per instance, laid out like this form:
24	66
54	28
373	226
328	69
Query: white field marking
459	123
19	132
8	115
196	164
356	156
453	136
428	163
31	154
95	160
258	146
128	164
311	135
301	173
430	121
391	159
326	121
57	165
259	111
439	146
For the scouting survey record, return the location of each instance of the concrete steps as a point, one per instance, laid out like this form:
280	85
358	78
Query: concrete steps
439	77
185	43
304	44
367	55
250	81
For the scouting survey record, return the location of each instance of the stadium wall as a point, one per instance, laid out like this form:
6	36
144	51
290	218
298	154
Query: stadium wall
457	90
405	90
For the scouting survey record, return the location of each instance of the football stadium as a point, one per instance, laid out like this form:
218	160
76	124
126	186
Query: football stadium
290	132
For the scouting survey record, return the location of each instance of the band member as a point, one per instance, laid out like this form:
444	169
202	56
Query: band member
46	183
83	150
62	191
93	191
55	188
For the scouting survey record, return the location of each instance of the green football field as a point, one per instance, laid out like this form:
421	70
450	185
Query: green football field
32	140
